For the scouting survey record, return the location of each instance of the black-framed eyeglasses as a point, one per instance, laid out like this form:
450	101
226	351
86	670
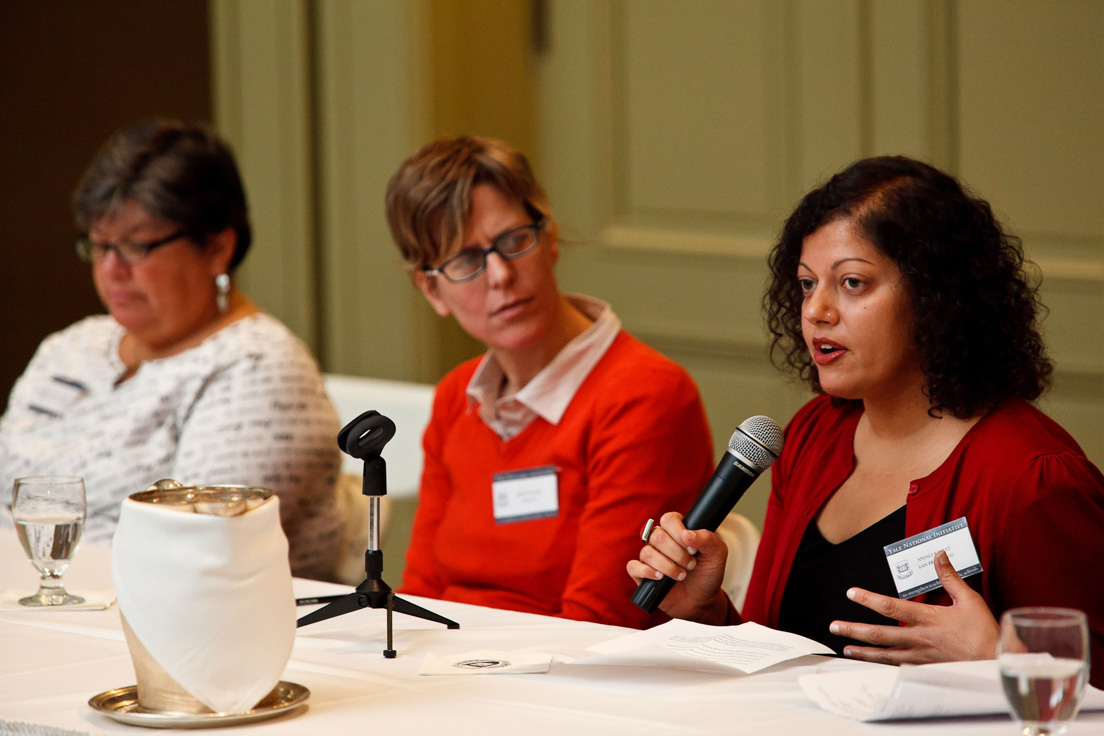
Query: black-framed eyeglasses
92	251
470	262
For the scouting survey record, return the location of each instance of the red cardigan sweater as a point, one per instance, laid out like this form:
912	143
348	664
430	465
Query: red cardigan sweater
632	444
1034	503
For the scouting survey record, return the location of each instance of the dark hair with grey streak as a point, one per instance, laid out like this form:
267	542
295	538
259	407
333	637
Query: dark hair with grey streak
181	172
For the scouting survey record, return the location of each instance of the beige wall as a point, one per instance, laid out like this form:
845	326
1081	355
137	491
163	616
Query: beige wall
323	100
674	137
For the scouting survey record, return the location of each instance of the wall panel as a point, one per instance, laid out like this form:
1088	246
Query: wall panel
1031	101
707	61
370	115
1032	112
261	62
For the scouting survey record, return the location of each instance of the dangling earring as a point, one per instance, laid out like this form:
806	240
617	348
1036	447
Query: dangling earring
222	291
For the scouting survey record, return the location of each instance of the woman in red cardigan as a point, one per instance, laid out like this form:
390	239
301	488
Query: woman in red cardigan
537	452
899	299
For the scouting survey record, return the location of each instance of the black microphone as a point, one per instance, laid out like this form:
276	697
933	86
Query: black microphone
754	445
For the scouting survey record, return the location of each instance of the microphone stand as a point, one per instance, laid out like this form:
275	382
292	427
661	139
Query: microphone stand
364	438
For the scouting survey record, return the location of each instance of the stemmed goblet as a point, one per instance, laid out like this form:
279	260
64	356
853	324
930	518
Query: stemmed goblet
1044	664
49	516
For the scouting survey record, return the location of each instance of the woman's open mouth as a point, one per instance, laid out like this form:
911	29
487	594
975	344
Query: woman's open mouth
826	352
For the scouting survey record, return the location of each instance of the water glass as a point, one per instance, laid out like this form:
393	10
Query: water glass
1044	664
49	516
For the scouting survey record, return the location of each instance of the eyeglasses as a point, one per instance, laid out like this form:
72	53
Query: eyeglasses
132	254
470	262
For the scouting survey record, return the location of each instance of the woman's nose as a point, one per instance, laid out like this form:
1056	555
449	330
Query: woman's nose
111	263
819	307
500	271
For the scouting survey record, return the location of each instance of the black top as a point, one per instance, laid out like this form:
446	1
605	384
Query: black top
816	592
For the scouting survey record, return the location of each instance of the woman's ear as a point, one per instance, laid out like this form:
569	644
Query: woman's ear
220	250
428	285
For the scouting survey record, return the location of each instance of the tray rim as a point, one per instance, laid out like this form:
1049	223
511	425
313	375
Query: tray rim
135	715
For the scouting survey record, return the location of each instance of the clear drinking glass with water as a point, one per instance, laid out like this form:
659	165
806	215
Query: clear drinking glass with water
49	516
1044	665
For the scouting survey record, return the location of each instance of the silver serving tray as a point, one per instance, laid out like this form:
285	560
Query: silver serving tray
121	704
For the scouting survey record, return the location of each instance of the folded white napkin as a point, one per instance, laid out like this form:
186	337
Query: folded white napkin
942	690
94	600
209	597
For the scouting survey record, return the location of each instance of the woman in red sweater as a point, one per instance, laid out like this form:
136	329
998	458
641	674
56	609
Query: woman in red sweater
899	299
537	452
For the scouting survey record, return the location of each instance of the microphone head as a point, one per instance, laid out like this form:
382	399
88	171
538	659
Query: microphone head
758	441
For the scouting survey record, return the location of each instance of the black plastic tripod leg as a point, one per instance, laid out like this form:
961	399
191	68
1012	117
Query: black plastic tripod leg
389	652
412	609
346	604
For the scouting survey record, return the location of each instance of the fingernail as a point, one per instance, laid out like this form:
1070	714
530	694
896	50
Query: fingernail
692	565
851	593
682	576
658	575
848	652
691	550
834	628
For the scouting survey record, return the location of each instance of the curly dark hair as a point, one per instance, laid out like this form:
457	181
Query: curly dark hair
976	308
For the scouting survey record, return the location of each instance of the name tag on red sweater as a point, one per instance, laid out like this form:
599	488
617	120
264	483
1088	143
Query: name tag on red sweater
522	495
912	560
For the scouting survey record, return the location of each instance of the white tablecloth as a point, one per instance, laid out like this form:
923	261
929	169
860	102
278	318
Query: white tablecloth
52	662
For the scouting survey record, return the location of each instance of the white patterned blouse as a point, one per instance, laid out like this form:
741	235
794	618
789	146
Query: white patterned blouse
244	406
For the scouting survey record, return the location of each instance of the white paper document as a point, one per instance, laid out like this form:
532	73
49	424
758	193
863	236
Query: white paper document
678	644
946	689
485	662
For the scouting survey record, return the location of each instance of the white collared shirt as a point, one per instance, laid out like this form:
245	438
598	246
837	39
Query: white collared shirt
548	394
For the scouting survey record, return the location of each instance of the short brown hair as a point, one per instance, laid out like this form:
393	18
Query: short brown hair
429	197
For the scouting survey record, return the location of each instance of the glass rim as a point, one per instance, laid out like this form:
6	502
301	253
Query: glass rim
47	479
1043	615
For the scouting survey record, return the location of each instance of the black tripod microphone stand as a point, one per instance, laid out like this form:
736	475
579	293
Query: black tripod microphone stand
364	438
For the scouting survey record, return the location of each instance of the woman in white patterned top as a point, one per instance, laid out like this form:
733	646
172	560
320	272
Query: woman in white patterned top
185	378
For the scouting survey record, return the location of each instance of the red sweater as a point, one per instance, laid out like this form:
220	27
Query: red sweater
1034	503
632	444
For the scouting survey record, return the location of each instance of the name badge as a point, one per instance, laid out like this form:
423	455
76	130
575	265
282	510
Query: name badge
522	495
912	560
57	395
